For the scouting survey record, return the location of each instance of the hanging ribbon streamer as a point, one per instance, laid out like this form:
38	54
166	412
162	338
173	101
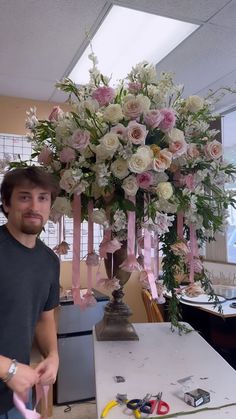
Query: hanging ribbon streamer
156	265
180	225
41	393
90	244
192	238
131	264
148	263
76	249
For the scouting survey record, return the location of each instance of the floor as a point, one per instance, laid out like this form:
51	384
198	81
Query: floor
85	410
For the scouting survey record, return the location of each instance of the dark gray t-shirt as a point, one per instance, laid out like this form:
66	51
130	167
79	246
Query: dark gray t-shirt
29	285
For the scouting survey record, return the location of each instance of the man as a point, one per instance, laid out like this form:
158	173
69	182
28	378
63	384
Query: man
29	285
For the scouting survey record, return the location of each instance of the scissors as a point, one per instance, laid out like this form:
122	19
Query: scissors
146	405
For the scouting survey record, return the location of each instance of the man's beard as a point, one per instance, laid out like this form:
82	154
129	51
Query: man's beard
30	229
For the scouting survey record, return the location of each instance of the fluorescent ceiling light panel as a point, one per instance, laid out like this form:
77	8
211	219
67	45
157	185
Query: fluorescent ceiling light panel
127	37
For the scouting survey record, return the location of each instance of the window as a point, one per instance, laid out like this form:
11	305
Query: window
229	147
16	147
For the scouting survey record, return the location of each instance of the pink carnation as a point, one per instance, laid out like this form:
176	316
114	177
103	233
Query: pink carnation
67	155
134	87
62	248
92	259
168	119
145	180
109	246
104	95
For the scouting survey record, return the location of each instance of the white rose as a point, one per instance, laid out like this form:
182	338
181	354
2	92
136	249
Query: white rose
67	181
113	113
138	163
130	185
102	153
146	152
99	217
145	102
175	134
119	168
110	142
63	206
194	103
164	190
91	104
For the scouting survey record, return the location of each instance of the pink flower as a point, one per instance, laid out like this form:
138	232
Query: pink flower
130	264
180	248
145	180
192	151
62	248
178	147
213	150
110	284
134	87
109	246
190	181
92	259
104	95
168	119
87	301
45	156
162	161
136	133
55	114
67	155
119	130
79	139
153	118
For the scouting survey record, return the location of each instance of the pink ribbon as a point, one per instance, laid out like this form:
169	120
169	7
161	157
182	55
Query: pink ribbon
76	249
131	264
156	268
41	392
90	243
192	235
180	224
148	263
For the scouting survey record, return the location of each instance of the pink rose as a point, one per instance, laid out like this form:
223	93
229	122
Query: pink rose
45	156
79	139
119	130
192	151
168	119
132	108
134	87
213	150
178	147
55	114
67	155
136	133
162	161
145	180
190	181
104	95
153	118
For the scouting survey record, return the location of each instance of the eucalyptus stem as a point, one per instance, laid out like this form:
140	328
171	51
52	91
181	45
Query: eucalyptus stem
192	412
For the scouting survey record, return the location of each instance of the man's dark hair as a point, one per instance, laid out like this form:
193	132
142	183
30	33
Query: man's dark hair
33	175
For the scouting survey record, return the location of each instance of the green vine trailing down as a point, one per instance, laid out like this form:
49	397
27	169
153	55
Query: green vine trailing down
139	146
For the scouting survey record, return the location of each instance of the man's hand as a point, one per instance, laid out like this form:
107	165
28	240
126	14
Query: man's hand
24	379
47	370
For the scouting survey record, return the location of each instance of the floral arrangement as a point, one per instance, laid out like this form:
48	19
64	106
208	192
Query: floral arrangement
146	165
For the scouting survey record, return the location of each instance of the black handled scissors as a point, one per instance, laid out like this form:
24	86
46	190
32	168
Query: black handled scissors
139	404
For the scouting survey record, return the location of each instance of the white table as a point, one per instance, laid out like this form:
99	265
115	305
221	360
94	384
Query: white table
227	311
155	363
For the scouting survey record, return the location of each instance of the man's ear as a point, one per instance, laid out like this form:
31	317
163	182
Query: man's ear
5	207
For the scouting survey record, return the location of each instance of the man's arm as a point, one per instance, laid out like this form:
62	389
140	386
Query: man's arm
23	379
46	338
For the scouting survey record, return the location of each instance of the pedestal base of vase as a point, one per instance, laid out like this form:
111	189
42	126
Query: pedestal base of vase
115	324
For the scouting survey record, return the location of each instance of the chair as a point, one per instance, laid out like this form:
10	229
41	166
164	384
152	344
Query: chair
153	313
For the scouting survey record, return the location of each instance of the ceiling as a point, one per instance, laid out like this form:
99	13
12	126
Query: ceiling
40	41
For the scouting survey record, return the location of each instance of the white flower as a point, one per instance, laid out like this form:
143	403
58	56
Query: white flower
138	163
63	206
119	168
165	190
113	113
130	185
110	142
100	217
194	103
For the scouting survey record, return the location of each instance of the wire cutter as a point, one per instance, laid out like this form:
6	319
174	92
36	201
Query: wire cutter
120	399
